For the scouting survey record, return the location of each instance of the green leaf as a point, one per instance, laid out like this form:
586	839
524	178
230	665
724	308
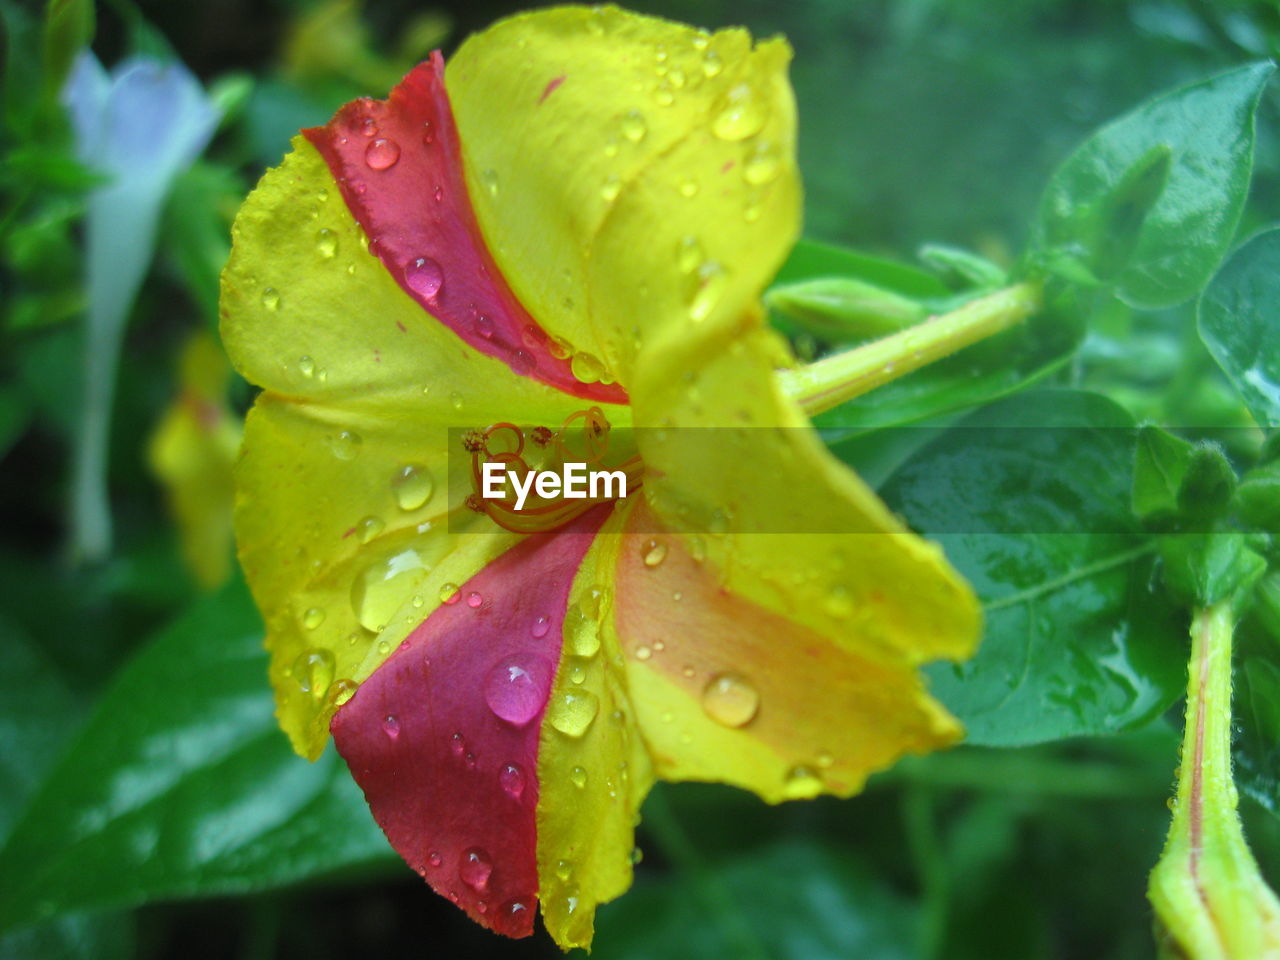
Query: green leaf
1240	324
1256	748
1258	497
1076	642
1150	202
1206	568
810	259
181	785
1159	469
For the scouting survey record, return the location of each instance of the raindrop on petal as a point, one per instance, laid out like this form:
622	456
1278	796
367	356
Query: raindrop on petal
475	868
511	779
731	700
516	687
412	486
424	277
573	711
381	154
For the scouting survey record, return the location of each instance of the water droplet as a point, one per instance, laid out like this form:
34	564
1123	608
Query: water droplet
424	277
636	856
489	178
801	783
731	700
306	366
825	760
475	868
369	126
611	187
380	589
582	633
313	618
370	527
634	127
384	647
741	117
664	95
516	687
573	711
560	348
391	726
457	745
322	195
483	327
523	362
689	254
313	671
474	600
676	78
342	691
455	401
381	154
435	859
712	64
653	553
688	671
711	280
271	299
586	367
512	908
838	602
762	165
412	486
327	244
577	672
541	627
346	445
578	777
564	870
449	593
643	652
688	188
511	779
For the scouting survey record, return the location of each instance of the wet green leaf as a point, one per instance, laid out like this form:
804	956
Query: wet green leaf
1240	324
1077	642
181	785
1150	202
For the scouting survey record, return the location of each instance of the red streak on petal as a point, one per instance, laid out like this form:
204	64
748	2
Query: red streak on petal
432	756
728	165
551	88
433	247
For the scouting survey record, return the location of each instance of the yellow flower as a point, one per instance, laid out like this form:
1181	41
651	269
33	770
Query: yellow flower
561	239
192	452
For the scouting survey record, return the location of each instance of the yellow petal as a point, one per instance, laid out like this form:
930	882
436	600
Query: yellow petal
633	177
344	486
726	691
593	768
782	522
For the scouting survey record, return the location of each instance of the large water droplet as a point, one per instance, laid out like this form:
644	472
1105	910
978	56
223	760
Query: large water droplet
379	591
327	244
653	553
342	691
711	281
586	367
573	711
762	165
581	632
730	699
475	868
741	117
449	593
412	486
511	779
313	618
560	348
634	127
369	528
424	277
381	154
516	687
346	445
313	671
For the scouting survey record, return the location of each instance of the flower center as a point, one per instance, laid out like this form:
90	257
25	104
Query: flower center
585	437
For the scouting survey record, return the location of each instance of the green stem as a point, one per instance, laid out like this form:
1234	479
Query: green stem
1210	900
663	824
840	377
931	868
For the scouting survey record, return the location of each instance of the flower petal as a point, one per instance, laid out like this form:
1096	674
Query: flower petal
725	690
783	523
633	177
593	768
344	482
398	163
444	737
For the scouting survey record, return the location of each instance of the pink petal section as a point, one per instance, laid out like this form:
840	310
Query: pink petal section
398	163
443	737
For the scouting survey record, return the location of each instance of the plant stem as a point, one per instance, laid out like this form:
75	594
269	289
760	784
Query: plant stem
840	377
1210	900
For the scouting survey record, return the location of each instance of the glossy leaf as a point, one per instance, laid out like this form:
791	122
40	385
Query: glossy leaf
181	785
1076	642
1256	709
1150	202
1240	324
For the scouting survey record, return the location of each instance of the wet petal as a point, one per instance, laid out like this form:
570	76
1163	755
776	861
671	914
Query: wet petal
727	691
445	737
634	177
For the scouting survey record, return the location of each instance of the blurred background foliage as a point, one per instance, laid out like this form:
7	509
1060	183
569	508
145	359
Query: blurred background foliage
921	121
